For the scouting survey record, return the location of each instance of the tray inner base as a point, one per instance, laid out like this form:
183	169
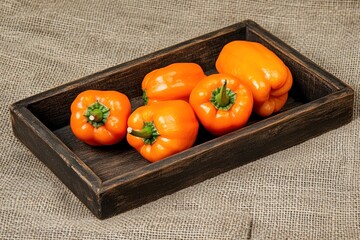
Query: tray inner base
112	161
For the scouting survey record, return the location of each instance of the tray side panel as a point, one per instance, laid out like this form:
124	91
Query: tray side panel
83	184
227	152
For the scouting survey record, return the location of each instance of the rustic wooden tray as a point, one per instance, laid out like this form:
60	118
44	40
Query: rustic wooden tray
111	180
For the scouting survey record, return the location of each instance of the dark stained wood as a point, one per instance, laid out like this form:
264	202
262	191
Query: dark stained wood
110	180
55	155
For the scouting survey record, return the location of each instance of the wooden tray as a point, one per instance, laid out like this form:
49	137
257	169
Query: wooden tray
111	180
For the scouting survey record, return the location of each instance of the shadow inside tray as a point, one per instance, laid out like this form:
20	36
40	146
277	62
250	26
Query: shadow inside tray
106	161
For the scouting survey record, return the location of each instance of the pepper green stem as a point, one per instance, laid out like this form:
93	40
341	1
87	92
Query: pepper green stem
223	98
144	97
97	114
148	133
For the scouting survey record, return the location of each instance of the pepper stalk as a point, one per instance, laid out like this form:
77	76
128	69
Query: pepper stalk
148	133
223	98
97	114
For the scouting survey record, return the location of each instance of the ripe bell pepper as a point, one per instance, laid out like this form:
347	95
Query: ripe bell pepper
100	117
161	129
264	72
222	103
172	82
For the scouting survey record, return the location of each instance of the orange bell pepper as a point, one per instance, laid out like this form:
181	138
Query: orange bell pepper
172	82
100	117
264	72
162	129
221	103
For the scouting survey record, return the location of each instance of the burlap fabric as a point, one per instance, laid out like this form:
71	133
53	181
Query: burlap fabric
310	191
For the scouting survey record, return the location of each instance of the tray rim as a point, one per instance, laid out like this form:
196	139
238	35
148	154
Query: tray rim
76	164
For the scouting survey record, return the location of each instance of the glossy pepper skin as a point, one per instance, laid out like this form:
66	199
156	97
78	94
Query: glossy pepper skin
172	82
162	129
100	117
264	72
222	103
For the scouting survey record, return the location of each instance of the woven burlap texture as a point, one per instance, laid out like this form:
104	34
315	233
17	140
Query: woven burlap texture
310	191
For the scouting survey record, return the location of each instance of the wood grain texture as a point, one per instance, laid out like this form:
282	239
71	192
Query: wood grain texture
110	180
75	174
